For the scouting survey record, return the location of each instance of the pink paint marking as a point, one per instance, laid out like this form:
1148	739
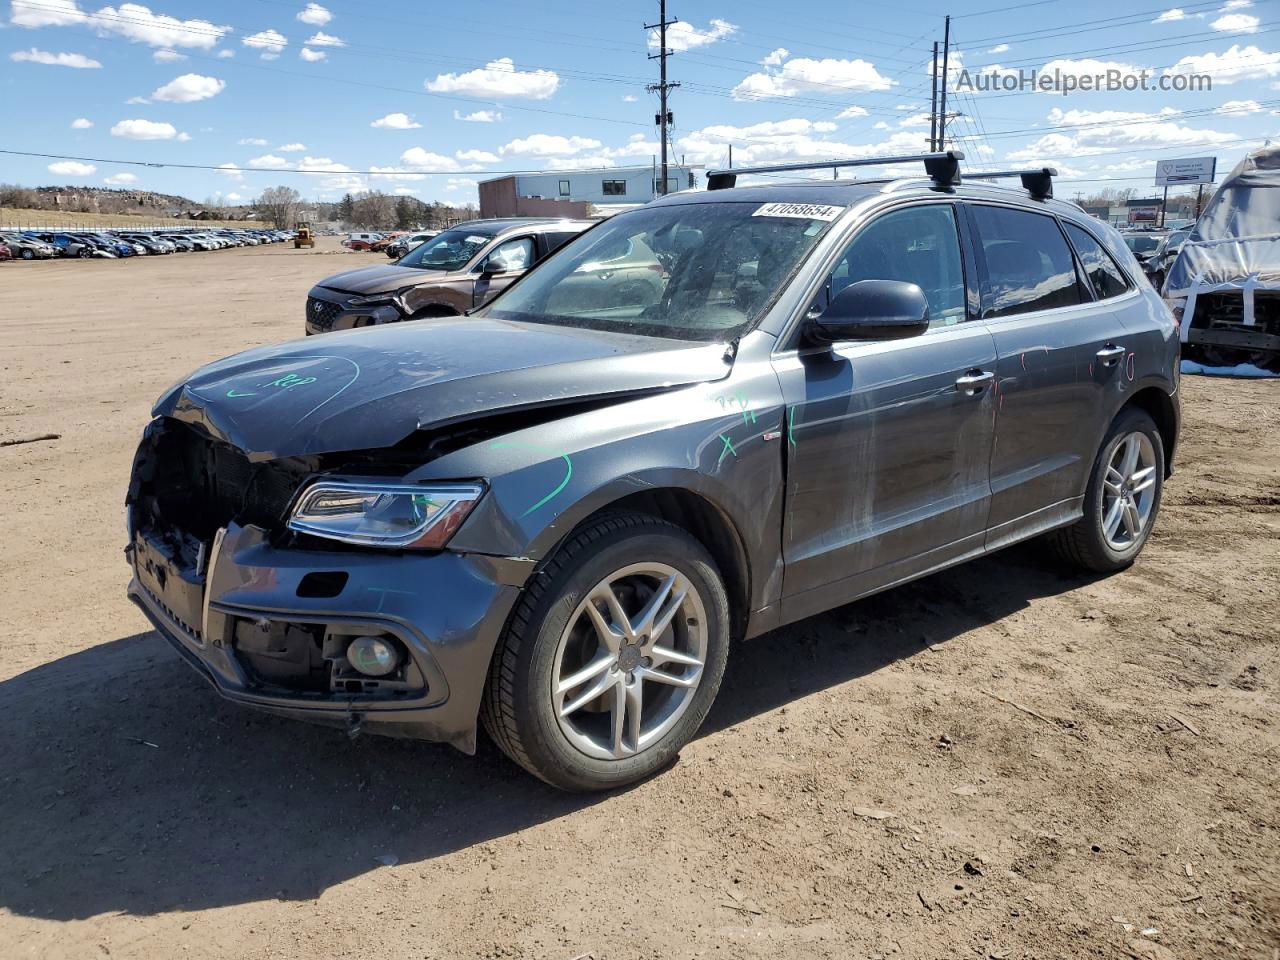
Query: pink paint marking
1129	366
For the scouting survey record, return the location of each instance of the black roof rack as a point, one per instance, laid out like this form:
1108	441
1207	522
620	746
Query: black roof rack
1038	182
943	168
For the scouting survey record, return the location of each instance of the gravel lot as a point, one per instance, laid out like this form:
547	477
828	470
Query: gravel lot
997	762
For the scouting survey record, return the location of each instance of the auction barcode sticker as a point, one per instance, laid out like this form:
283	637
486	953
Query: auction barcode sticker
801	211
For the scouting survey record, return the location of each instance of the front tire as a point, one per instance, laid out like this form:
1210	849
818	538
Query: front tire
1122	499
612	657
28	254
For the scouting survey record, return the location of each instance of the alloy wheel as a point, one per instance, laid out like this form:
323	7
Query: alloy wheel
1128	491
629	661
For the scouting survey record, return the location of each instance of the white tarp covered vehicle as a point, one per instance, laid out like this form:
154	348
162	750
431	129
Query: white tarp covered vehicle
1225	285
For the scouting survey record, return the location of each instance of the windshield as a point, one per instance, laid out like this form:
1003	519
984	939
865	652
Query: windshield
451	250
1142	244
694	271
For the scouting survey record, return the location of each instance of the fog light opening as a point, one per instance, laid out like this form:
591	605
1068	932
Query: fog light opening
373	656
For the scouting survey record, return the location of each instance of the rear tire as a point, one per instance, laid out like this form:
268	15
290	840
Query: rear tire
28	254
1122	500
564	643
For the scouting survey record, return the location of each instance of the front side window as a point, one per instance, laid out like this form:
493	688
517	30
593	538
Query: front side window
513	255
693	271
614	188
1029	266
1104	276
918	245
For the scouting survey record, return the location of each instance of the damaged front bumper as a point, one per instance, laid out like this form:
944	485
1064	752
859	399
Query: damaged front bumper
267	625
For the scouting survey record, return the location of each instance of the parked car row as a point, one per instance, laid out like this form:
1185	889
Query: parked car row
117	244
394	244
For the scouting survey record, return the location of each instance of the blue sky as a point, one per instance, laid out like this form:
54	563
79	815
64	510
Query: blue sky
424	99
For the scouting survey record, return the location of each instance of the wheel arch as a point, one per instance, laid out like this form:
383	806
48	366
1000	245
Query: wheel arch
1159	406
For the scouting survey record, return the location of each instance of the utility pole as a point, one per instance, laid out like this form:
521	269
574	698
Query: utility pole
933	103
662	87
942	115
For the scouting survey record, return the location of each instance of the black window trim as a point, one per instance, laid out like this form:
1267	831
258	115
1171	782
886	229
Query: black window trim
605	192
565	188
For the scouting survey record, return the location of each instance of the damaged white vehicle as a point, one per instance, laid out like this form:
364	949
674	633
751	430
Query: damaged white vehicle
1224	288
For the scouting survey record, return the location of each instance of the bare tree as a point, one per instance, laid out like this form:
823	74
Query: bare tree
279	205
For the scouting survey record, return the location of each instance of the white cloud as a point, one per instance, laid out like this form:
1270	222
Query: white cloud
270	42
231	170
133	100
77	60
1236	23
252	142
168	56
311	56
851	113
138	24
45	13
630	98
880	125
396	121
189	88
1237	4
483	116
775	58
1170	16
81	123
549	145
786	140
915	120
1238	63
183	137
72	168
226	54
1240	107
232	197
144	130
268	161
459	183
999	48
418	158
475	156
685	36
404	191
1104	131
322	39
315	15
498	78
804	75
292	148
120	179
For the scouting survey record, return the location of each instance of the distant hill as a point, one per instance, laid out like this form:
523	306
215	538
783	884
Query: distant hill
79	199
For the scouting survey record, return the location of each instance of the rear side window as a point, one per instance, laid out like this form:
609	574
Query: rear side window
1103	273
555	241
1029	266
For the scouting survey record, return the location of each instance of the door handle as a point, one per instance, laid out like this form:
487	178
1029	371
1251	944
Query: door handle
971	383
1110	355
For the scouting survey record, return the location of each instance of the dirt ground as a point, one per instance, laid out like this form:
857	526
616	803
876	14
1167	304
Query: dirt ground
997	762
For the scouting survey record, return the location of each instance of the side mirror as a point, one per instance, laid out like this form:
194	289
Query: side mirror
872	310
495	264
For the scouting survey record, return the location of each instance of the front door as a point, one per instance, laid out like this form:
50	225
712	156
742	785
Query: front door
888	443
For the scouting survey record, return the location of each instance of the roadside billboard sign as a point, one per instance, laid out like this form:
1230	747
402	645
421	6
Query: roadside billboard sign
1171	173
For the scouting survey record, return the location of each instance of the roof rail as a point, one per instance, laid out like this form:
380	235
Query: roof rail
1039	182
943	168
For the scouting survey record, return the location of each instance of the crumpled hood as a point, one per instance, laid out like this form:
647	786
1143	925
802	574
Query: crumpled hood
372	387
384	278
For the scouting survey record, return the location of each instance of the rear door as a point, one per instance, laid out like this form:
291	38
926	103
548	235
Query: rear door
888	442
1056	346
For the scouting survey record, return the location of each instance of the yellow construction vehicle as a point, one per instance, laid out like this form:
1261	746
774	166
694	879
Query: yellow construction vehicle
306	236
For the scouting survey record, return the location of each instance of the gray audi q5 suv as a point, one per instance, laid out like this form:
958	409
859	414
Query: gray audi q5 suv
557	516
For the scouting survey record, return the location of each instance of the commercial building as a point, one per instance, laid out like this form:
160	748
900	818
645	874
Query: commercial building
577	193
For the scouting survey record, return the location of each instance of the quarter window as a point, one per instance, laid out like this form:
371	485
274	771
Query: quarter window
614	188
1029	266
1103	273
918	245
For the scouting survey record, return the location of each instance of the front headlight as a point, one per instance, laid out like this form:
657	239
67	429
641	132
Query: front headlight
395	297
401	515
